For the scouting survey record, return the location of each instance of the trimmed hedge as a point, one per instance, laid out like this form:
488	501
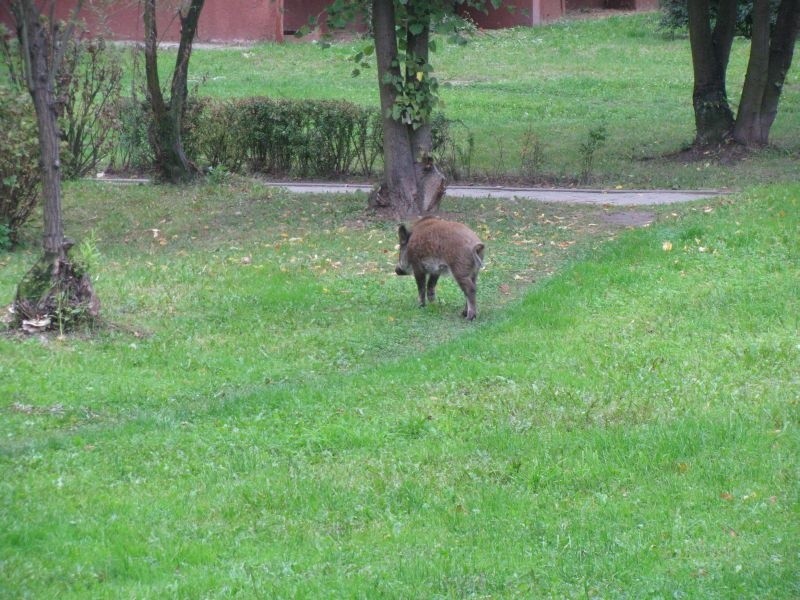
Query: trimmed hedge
302	138
305	138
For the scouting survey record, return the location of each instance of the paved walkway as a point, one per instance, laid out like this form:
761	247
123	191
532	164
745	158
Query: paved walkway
571	196
566	195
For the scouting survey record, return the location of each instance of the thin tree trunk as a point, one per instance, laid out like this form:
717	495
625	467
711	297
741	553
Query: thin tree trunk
40	80
431	182
781	49
399	173
710	53
747	129
167	141
52	291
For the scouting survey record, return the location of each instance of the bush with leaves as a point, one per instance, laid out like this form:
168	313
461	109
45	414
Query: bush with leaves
132	152
213	130
452	147
675	15
317	138
19	161
89	87
284	137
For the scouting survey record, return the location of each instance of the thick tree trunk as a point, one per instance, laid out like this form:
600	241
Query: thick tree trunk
400	180
417	47
770	60
167	142
710	53
431	182
747	129
412	183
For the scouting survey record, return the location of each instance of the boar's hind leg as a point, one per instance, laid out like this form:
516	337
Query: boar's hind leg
420	277
468	286
432	279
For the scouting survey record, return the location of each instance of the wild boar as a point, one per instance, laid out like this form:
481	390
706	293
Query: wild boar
434	247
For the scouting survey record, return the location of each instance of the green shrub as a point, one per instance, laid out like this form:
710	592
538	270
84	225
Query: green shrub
452	146
285	137
595	140
305	138
215	134
675	15
90	89
19	161
5	237
132	152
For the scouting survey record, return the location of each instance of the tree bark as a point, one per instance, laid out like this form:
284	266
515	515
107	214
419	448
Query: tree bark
412	183
770	60
747	129
40	75
171	160
400	185
417	48
710	53
53	291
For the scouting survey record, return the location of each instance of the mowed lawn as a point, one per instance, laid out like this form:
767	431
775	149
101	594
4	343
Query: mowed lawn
264	412
542	89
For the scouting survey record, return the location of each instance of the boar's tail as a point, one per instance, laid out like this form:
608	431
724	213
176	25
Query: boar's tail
477	251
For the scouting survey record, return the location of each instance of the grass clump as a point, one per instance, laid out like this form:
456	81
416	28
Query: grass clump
272	415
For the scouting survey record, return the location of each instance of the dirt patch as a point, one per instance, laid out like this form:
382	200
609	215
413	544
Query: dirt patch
635	218
728	153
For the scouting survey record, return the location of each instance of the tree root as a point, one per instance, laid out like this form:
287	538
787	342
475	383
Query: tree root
55	294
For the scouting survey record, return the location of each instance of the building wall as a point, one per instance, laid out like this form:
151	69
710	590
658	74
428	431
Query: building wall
297	12
585	4
515	13
220	21
259	20
612	4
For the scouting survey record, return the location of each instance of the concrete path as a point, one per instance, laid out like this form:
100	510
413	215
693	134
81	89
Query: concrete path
571	196
566	195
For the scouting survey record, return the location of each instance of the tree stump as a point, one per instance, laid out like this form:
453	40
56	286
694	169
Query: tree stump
54	294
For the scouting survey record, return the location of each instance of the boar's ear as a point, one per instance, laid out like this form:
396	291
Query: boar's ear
403	233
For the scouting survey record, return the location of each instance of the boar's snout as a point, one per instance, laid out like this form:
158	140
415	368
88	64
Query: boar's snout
400	271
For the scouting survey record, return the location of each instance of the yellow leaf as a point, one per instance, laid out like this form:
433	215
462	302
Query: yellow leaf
667	246
420	75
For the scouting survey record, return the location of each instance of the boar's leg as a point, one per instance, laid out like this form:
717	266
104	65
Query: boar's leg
432	279
420	277
468	285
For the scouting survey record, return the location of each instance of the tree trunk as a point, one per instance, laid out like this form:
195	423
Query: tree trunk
417	47
412	183
710	53
431	183
747	129
398	158
167	142
34	38
53	292
770	60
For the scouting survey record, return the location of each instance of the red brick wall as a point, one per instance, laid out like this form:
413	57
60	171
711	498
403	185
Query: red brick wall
521	13
220	21
297	12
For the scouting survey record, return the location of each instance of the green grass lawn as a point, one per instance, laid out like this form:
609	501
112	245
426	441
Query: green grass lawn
266	412
554	83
